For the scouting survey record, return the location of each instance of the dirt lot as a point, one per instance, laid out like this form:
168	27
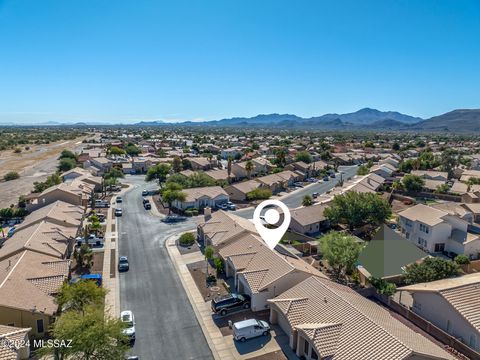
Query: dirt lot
32	165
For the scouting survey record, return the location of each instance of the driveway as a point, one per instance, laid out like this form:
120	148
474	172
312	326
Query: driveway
166	326
294	199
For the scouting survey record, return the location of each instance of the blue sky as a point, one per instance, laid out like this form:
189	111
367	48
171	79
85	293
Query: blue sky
124	61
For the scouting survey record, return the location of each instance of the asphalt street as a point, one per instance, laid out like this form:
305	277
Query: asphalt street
166	326
294	199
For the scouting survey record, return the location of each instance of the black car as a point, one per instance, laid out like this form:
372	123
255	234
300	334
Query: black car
145	200
222	305
123	264
147	206
173	218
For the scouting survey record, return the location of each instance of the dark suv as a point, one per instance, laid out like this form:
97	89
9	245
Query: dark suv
230	302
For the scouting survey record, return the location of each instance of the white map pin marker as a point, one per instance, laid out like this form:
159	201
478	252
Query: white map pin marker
271	236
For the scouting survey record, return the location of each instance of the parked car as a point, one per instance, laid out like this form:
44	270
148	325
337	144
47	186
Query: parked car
118	212
147	206
231	206
298	184
251	328
119	199
315	195
145	200
173	218
100	216
222	305
11	231
123	264
102	203
222	206
325	178
127	318
145	192
332	175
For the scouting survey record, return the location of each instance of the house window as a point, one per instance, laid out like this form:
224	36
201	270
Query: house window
40	328
439	247
314	355
11	324
408	222
424	228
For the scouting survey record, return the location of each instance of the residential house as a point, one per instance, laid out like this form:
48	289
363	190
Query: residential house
58	212
217	174
140	164
438	231
309	220
200	163
231	152
261	272
219	227
101	164
29	282
431	175
240	190
75	193
75	173
202	197
327	320
452	305
384	170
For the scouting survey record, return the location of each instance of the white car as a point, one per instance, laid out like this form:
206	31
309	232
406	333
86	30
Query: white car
127	317
247	329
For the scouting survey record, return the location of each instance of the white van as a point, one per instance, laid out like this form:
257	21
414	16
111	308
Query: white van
250	328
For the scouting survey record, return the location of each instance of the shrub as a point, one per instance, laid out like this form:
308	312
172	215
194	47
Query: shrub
211	278
259	194
191	212
17	150
462	260
12	175
187	239
383	287
218	263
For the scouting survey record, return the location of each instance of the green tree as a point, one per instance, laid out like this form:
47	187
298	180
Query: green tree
132	150
11	175
357	209
159	173
218	263
177	164
303	156
413	183
66	164
307	200
430	269
115	150
173	192
442	189
383	287
91	334
67	154
281	157
362	170
114	173
396	146
462	259
341	251
79	295
449	161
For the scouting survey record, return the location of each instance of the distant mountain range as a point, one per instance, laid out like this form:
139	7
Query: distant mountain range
364	119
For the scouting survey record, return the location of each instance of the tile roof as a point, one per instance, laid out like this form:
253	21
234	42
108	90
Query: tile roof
60	211
425	214
309	215
462	293
44	237
223	226
15	335
29	280
210	192
344	325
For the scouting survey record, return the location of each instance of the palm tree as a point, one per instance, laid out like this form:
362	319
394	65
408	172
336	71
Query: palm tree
171	193
229	168
249	168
